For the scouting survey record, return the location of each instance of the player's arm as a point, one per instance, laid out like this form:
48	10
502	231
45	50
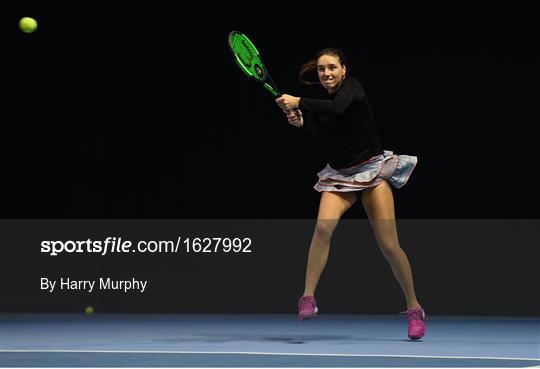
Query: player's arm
346	95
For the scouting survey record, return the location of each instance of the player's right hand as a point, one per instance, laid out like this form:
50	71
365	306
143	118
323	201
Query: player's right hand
294	117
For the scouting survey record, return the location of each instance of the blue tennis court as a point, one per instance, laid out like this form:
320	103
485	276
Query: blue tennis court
120	340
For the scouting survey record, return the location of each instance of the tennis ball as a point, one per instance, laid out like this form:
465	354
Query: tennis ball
27	24
89	310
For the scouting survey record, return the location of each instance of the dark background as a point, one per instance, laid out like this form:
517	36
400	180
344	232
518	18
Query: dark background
137	110
130	110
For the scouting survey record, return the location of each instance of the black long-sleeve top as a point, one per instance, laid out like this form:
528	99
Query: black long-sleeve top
345	123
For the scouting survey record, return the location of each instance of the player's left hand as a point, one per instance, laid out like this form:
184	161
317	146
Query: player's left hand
288	102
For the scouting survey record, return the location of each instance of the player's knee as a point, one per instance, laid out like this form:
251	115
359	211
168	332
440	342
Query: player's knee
324	228
389	248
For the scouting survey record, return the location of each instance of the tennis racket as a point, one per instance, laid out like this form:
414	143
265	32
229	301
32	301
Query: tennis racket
250	61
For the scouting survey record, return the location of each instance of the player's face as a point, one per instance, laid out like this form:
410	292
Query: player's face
331	72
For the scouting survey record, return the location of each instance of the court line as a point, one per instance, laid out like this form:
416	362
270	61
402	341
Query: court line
267	353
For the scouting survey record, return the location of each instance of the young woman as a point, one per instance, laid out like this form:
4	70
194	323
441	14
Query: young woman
357	167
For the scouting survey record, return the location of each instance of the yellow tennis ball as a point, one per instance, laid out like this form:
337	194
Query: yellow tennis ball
89	310
27	24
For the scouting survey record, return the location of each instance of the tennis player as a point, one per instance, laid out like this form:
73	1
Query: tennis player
357	167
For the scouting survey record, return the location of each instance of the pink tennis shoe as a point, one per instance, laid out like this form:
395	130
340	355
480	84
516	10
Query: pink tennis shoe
307	308
417	322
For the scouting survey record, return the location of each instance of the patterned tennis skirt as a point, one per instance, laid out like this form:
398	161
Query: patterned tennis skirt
396	169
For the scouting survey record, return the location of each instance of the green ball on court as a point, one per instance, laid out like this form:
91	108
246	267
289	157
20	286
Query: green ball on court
89	310
27	24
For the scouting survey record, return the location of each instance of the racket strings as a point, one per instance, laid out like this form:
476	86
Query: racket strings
248	56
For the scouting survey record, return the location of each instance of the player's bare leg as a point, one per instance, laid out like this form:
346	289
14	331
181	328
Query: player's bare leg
332	206
379	205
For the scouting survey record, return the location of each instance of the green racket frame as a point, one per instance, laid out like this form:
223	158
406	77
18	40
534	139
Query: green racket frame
250	61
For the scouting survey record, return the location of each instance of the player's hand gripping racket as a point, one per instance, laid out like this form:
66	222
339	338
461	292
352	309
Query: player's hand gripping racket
250	62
